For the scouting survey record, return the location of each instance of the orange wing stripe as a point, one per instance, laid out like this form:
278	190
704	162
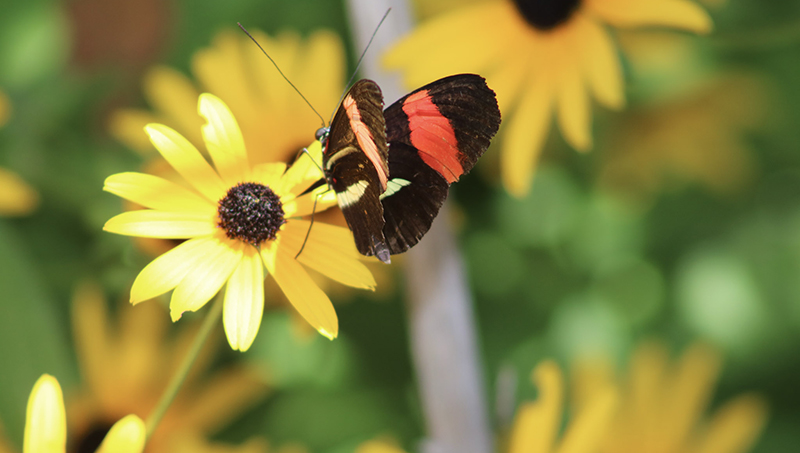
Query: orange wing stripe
433	136
365	139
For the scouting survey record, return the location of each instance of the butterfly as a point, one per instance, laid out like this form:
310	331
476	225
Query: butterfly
391	169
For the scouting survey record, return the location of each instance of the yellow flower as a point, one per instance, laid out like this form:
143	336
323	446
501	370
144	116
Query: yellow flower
690	130
274	120
16	196
695	137
126	362
537	425
237	220
46	424
541	58
663	406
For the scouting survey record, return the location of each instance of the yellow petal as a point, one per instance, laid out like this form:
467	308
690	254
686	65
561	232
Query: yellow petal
306	297
160	224
735	426
157	193
207	276
224	140
572	104
16	196
466	40
524	137
45	421
244	301
172	93
687	394
377	446
187	161
682	14
645	386
222	71
317	200
126	125
536	424
91	333
126	436
303	173
329	250
509	80
269	174
168	270
602	67
590	426
323	49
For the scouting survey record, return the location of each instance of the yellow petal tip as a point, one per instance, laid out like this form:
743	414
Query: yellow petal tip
326	334
126	436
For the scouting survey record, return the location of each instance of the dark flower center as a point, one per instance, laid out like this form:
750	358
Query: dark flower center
91	440
546	14
251	212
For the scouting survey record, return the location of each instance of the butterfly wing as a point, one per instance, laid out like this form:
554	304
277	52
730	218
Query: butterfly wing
435	134
356	165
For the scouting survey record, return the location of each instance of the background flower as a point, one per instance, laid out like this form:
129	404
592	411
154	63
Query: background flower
274	120
664	404
122	359
541	59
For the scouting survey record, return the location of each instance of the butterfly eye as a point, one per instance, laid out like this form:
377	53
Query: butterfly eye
321	133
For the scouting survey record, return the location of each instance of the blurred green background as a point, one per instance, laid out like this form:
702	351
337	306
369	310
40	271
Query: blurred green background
609	248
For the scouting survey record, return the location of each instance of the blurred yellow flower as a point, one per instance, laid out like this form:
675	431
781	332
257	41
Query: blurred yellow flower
126	362
694	137
538	424
237	220
274	120
17	198
691	126
663	405
541	58
46	424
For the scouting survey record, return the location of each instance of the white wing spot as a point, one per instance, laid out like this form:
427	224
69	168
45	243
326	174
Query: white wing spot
352	194
394	186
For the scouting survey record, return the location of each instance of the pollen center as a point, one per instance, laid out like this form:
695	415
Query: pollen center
251	212
547	14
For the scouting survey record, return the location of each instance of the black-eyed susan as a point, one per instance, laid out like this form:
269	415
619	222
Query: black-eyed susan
541	58
664	404
537	425
126	361
236	220
46	424
274	120
16	196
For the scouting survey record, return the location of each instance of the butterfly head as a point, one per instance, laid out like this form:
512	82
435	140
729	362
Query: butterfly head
322	136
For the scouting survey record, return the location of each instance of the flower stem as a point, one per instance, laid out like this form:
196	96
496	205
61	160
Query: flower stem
180	375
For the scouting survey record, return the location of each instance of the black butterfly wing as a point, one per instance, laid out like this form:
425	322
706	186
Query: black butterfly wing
356	165
435	134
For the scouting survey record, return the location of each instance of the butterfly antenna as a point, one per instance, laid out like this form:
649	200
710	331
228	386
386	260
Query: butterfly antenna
361	58
281	72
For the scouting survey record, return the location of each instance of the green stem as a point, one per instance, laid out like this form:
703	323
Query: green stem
180	375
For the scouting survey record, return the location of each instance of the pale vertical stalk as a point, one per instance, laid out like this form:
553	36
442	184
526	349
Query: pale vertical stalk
442	327
211	320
